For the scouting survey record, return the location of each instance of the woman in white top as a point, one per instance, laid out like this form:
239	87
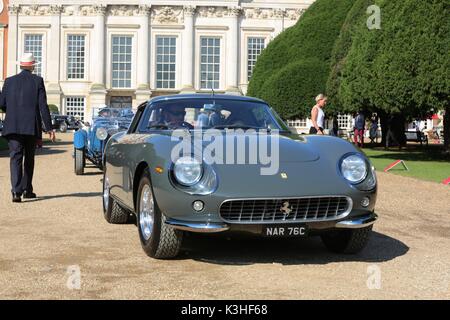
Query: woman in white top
317	115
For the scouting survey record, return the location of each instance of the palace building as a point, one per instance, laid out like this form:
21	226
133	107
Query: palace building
121	53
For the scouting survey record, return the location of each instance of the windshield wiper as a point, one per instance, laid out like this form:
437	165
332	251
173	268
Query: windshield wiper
161	126
238	126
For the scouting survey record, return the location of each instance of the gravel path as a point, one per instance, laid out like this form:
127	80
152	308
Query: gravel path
42	241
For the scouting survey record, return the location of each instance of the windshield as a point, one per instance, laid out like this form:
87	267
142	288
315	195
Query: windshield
208	114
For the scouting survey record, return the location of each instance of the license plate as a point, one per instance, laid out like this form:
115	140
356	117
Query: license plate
285	231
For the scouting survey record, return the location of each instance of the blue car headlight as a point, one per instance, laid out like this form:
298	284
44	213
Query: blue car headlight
353	168
101	134
187	171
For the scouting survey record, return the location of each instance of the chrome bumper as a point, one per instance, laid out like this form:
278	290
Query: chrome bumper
202	227
212	227
358	222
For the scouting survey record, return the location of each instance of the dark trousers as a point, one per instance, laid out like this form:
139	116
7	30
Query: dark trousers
21	154
313	130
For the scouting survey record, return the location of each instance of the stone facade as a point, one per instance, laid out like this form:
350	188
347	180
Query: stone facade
53	28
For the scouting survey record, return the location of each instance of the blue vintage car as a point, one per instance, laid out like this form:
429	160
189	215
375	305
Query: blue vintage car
90	141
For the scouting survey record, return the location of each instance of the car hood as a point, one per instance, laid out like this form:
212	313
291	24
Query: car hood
306	166
289	149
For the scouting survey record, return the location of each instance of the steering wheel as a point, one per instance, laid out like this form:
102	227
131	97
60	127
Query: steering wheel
186	125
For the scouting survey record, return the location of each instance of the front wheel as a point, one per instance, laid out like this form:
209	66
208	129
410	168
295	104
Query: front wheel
112	211
158	240
348	241
79	161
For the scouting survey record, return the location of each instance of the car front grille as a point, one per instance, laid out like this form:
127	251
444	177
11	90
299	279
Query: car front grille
279	210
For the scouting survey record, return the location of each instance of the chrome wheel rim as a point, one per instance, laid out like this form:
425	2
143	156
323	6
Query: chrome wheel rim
106	193
146	212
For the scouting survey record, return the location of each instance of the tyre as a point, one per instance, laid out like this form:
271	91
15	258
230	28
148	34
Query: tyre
79	161
112	211
158	239
63	127
349	241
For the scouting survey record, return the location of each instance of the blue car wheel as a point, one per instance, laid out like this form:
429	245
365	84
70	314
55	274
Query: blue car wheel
80	161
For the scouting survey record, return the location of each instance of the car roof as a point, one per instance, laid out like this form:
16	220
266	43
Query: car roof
175	97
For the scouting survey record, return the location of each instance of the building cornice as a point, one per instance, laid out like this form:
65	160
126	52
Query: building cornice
34	25
168	14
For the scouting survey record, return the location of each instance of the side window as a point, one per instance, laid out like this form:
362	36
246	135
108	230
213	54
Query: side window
136	120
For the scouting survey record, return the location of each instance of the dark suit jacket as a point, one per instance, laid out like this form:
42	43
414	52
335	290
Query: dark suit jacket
25	102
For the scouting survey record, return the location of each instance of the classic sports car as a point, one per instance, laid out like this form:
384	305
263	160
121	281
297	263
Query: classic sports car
323	186
64	122
90	141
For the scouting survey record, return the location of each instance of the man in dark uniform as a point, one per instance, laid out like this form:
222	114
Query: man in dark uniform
25	102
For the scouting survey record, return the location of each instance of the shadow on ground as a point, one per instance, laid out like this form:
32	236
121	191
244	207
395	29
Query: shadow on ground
46	150
247	250
71	195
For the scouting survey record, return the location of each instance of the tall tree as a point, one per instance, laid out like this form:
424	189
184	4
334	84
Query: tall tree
284	74
404	66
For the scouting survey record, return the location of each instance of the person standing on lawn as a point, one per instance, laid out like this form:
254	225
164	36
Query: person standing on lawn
25	102
317	115
360	125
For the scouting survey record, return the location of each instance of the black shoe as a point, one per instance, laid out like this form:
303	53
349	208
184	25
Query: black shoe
16	197
29	195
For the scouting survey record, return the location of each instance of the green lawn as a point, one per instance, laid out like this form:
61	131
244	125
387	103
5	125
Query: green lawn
426	163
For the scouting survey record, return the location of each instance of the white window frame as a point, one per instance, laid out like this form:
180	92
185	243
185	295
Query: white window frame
121	32
109	74
21	47
344	118
86	34
76	97
38	66
201	64
156	62
178	70
247	58
244	45
298	123
223	43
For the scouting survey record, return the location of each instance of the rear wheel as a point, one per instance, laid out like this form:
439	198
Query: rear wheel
348	241
79	161
112	211
157	238
63	127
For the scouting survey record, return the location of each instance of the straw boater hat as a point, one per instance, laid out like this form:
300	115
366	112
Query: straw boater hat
28	60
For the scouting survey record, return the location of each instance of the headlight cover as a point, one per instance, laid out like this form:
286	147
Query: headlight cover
353	168
101	134
187	171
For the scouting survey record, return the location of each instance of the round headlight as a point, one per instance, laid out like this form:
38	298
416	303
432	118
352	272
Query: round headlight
188	171
101	133
354	168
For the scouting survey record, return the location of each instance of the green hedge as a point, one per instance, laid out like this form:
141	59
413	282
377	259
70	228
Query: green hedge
355	17
292	90
53	108
309	42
